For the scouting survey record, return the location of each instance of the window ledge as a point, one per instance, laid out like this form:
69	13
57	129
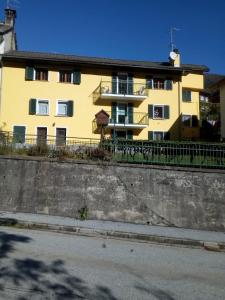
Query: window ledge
41	115
64	116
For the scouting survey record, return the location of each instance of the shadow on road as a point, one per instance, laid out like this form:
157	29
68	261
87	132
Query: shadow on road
34	279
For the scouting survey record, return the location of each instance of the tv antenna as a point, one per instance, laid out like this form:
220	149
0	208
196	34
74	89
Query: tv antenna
172	45
12	3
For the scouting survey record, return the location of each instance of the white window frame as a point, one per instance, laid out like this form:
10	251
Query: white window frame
153	114
159	131
118	80
34	76
37	107
57	107
191	122
65	71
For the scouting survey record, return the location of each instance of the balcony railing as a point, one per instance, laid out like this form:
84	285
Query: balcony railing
121	89
136	120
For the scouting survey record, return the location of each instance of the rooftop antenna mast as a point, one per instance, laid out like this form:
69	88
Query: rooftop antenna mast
12	3
172	45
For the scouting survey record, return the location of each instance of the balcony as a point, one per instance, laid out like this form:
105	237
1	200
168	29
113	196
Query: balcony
136	120
121	90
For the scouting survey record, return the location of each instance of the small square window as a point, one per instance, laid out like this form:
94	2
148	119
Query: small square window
62	108
65	76
158	135
41	74
42	107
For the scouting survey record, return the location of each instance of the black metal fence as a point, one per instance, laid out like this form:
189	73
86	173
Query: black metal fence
190	154
168	153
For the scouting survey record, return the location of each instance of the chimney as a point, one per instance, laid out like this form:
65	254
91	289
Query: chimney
10	16
177	59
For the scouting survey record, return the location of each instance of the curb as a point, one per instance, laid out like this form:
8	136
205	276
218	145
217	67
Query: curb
82	231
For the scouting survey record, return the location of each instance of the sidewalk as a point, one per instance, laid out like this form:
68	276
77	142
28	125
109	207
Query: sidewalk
146	233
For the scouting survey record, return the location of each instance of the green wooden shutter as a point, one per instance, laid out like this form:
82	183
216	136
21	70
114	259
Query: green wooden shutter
114	83
166	112
29	73
76	77
130	84
32	106
168	84
130	113
150	111
19	134
70	108
167	136
113	114
150	135
129	134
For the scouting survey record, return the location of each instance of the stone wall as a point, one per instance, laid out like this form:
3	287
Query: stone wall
168	196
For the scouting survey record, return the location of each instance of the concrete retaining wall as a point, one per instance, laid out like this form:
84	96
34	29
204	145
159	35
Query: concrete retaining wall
140	194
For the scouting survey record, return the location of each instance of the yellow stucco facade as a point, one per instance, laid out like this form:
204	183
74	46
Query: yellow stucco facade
89	98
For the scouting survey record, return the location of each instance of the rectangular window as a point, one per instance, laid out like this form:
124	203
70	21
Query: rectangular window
159	83
158	135
65	76
41	74
122	84
42	107
190	120
186	120
60	136
158	112
19	134
186	95
64	108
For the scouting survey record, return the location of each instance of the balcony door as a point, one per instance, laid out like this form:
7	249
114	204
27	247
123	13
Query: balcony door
122	84
122	113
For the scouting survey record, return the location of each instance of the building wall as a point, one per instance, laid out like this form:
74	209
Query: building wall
167	196
16	92
222	108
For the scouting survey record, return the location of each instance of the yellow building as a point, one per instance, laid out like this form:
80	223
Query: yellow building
59	95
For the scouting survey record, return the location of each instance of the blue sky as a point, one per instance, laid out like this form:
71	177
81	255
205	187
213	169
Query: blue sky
128	29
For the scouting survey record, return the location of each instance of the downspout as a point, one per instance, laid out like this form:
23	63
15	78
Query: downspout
179	112
1	66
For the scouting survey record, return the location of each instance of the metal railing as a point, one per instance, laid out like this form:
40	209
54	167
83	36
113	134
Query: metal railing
123	87
169	153
189	154
135	119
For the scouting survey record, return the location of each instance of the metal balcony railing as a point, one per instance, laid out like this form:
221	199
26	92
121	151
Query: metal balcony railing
123	87
135	120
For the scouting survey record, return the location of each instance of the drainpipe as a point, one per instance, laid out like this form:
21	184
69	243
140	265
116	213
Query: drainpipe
179	112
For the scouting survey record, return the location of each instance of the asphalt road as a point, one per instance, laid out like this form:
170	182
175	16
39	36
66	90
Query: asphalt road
46	265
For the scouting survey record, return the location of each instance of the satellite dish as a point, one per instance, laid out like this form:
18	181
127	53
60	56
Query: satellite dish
173	55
